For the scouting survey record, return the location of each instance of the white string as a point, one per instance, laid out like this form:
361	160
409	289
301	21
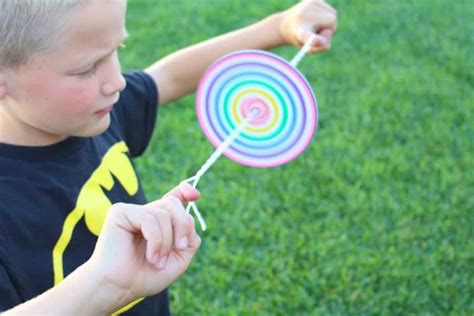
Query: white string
229	139
208	164
303	51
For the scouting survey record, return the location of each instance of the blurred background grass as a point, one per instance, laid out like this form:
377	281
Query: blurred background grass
376	216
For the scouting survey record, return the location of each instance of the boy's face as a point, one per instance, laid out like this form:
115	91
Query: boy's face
69	90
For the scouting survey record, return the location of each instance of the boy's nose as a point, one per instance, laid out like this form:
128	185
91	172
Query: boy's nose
113	79
116	84
119	81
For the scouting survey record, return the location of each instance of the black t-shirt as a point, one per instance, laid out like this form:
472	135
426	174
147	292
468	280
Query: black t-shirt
53	199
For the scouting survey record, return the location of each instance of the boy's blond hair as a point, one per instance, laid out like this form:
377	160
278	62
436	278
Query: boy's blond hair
30	26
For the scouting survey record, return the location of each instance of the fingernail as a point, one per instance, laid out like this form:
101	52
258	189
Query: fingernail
155	258
320	41
183	243
185	187
162	263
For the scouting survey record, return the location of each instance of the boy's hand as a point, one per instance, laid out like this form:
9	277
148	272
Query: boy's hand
307	18
143	249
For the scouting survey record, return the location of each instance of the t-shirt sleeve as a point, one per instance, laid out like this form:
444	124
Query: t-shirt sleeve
136	111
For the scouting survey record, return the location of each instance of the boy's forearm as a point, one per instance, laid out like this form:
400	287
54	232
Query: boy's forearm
79	294
178	74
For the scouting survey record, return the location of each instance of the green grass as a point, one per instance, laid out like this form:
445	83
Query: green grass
376	216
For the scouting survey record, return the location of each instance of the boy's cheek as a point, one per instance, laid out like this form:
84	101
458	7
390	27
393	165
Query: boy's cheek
81	95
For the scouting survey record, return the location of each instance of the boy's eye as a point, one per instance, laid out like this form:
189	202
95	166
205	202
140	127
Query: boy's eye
88	72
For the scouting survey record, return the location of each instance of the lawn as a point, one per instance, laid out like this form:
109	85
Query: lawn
376	216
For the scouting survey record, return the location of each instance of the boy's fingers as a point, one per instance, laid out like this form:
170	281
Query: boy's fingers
163	220
327	34
184	192
324	39
323	5
319	19
179	220
151	231
194	240
317	41
325	20
321	40
135	219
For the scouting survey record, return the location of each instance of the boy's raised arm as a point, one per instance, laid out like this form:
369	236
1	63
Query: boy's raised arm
179	73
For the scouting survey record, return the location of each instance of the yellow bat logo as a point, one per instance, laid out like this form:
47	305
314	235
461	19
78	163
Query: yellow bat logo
93	204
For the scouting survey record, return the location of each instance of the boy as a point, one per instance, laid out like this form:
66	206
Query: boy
70	123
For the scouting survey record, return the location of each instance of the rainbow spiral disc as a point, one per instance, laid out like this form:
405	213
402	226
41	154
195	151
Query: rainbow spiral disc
261	84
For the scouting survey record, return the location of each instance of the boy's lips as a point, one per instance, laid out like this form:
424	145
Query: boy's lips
107	109
104	111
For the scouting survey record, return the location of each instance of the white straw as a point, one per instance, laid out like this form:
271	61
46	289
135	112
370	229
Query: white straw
208	164
303	51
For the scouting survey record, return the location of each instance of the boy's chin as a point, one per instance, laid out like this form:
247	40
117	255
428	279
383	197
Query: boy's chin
96	129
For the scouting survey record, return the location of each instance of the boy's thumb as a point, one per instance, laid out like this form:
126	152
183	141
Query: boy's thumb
304	35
